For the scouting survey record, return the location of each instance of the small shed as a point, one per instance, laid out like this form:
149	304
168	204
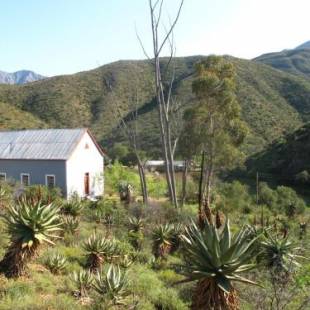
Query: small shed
70	159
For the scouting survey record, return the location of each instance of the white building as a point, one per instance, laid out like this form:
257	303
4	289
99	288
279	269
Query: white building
159	165
70	159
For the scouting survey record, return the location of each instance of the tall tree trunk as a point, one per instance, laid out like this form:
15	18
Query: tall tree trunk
171	165
143	182
201	211
184	182
209	173
165	136
163	101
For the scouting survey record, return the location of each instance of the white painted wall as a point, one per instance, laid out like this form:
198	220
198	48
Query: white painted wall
85	160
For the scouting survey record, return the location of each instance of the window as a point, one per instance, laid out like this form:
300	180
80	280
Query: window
25	179
50	180
2	176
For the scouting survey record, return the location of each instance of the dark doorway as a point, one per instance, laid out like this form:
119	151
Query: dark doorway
86	183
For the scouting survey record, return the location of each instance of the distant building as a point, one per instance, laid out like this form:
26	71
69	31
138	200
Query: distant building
159	165
69	159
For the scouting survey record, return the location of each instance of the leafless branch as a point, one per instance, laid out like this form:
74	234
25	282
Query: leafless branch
141	44
159	13
171	27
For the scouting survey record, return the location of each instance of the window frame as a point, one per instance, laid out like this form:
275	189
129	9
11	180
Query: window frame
21	178
50	175
3	174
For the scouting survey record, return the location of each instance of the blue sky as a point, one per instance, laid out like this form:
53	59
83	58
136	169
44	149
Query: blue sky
55	37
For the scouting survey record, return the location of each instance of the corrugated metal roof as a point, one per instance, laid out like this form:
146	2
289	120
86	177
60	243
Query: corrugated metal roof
48	144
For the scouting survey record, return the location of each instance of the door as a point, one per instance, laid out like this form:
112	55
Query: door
86	183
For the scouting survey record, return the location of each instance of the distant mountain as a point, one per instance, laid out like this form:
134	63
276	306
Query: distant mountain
305	45
296	61
273	102
19	77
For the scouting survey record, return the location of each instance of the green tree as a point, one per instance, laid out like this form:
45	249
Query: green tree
119	151
214	124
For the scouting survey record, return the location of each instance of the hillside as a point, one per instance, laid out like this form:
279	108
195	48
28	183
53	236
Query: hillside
288	158
13	118
19	77
296	61
273	102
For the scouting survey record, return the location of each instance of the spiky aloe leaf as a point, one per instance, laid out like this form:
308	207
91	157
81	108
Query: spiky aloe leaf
28	225
215	254
112	285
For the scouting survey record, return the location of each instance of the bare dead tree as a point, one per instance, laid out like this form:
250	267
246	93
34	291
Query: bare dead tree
163	90
129	126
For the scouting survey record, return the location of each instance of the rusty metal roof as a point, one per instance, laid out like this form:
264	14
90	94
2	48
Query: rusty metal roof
41	144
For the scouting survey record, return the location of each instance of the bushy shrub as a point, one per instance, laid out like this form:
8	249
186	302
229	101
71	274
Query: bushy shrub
6	194
234	196
302	177
156	185
267	196
46	195
116	173
289	202
146	284
107	211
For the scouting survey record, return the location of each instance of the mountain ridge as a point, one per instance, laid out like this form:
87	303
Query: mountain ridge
295	61
19	77
305	45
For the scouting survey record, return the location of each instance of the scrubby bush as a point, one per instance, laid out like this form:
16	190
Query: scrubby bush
41	193
116	173
150	290
234	196
267	196
289	202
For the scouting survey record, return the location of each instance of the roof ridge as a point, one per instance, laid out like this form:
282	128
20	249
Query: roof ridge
44	129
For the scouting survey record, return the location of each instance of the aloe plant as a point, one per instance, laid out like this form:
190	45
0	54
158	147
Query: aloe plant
176	234
135	233
70	224
56	263
99	249
28	226
73	207
162	240
125	261
214	258
112	285
83	280
279	254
